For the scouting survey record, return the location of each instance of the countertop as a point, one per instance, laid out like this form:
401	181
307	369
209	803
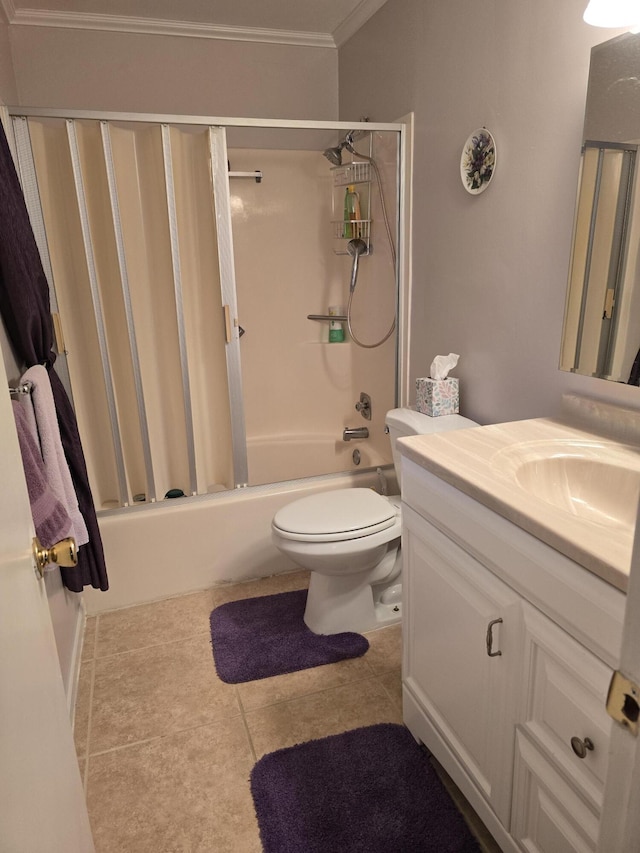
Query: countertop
482	462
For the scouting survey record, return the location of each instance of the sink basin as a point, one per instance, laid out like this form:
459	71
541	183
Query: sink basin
572	482
595	481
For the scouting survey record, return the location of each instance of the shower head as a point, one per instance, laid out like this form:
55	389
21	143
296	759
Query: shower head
334	155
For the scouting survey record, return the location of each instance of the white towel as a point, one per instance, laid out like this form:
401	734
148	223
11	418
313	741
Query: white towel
55	463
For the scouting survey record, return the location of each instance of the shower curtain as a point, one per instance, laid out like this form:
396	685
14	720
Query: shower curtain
24	306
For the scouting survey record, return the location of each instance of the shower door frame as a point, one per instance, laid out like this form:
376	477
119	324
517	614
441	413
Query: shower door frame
221	193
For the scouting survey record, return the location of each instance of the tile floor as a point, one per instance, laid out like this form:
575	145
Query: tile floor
166	748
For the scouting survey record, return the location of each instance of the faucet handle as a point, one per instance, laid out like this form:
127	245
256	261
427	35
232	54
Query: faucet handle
364	406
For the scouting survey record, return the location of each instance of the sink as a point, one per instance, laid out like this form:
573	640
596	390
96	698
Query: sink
597	481
573	482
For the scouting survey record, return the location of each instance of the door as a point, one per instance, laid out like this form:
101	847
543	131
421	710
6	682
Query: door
41	799
620	822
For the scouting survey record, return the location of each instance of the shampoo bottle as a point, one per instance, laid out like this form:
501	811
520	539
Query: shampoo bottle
356	216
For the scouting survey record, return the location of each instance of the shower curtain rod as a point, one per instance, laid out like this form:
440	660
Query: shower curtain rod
227	121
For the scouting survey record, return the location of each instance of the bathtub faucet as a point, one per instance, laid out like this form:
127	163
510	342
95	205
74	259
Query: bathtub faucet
354	432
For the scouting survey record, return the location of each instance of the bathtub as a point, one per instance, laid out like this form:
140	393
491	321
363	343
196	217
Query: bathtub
273	459
172	547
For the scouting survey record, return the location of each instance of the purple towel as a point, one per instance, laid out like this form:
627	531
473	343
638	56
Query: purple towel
55	463
50	518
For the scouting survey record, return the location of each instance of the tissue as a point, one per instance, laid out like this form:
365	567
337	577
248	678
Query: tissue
442	364
439	394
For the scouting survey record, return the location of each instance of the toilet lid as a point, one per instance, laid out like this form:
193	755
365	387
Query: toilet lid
338	514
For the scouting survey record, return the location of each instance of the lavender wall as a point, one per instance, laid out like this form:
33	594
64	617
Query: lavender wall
8	93
82	69
489	271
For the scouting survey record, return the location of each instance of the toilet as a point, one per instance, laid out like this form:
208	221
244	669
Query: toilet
349	539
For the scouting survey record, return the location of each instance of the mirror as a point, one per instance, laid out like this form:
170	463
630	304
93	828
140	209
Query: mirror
601	335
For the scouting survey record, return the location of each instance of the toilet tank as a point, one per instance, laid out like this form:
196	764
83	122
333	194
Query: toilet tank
405	422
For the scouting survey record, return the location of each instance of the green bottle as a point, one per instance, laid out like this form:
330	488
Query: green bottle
352	214
347	229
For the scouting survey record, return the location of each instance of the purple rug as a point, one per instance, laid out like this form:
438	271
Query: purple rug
260	637
370	790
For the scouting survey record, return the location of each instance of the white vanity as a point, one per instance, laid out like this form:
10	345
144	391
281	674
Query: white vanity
517	545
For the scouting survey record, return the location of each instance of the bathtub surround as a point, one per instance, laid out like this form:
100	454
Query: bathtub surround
369	790
213	539
266	636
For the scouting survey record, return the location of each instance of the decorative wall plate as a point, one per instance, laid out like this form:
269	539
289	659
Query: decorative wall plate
478	161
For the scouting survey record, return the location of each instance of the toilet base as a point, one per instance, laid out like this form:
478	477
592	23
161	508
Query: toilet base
337	603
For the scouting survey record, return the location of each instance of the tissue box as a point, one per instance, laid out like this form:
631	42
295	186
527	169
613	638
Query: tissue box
437	397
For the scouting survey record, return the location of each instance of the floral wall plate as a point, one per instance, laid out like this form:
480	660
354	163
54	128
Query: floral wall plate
478	161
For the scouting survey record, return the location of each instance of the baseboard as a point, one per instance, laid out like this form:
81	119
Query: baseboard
75	661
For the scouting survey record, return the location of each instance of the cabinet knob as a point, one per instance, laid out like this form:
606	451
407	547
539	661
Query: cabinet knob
580	747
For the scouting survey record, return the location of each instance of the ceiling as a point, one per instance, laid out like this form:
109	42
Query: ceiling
316	23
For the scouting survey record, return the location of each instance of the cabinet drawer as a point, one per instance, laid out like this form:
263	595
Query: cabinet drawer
548	816
564	697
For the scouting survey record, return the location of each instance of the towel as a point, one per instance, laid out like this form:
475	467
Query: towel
55	463
50	518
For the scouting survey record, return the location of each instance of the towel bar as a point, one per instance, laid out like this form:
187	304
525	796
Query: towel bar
22	388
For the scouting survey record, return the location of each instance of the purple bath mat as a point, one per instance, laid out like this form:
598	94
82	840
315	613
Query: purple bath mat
369	790
260	637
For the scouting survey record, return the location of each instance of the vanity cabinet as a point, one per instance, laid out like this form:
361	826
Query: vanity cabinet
508	653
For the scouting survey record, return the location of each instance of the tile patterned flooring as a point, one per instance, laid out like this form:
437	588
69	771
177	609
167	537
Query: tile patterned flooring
165	748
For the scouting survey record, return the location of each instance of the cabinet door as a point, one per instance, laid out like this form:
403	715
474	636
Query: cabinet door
468	697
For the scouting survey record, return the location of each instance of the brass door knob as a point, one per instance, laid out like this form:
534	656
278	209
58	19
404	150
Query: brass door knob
63	553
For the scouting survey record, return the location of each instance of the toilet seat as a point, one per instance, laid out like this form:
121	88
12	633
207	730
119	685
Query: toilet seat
335	516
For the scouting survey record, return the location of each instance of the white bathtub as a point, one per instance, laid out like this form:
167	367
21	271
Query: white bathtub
273	459
172	547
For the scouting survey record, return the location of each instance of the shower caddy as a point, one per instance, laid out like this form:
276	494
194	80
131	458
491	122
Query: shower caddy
357	174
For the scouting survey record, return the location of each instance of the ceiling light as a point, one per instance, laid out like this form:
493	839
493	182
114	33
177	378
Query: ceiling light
613	13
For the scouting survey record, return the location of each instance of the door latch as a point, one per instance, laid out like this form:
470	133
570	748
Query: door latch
623	702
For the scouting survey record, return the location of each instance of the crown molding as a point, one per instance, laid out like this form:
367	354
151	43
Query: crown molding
152	26
364	10
8	9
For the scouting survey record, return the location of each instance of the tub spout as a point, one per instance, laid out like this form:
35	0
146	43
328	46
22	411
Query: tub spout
354	432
